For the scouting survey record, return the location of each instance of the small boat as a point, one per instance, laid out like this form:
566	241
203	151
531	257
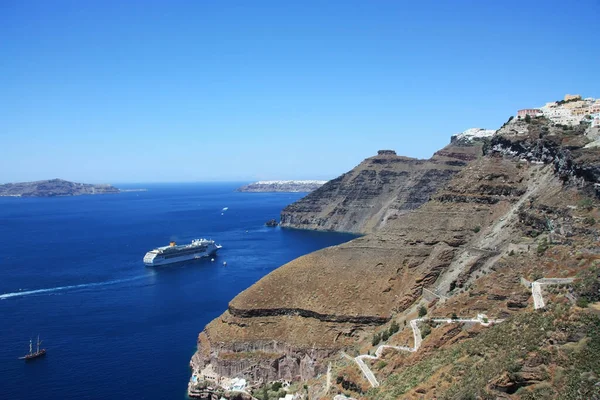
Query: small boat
32	355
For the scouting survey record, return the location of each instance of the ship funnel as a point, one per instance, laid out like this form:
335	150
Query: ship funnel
172	244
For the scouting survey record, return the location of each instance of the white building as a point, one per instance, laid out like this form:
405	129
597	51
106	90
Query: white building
560	115
572	112
473	134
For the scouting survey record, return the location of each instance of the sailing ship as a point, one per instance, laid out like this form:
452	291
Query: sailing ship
31	354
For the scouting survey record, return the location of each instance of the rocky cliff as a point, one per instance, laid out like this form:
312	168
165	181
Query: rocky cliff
53	187
527	209
378	190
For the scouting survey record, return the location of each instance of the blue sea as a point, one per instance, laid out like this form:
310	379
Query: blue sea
71	270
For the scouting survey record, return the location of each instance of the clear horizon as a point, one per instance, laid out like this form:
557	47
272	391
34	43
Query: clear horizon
113	92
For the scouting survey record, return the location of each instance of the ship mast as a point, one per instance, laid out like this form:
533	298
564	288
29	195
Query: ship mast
30	347
38	344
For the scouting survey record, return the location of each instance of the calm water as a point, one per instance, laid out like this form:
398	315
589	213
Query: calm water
71	269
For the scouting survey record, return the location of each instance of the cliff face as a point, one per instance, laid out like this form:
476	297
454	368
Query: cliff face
287	323
379	189
53	187
549	230
466	249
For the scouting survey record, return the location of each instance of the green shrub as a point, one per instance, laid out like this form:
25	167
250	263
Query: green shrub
376	339
394	328
588	285
385	335
454	316
582	302
476	229
422	311
589	221
452	285
585	204
537	275
542	246
425	331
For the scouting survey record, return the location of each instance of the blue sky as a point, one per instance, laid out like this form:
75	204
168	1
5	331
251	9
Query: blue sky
157	91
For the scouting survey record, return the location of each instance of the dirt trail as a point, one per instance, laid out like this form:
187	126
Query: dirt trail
538	302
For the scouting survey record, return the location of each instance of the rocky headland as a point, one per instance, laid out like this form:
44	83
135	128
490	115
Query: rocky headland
378	190
282	186
462	234
53	188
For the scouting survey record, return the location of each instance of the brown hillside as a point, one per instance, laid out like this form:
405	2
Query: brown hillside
522	211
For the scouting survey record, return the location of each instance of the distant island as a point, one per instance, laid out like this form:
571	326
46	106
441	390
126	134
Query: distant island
281	186
53	188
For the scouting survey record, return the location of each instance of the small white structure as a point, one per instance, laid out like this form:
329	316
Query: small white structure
290	397
472	134
237	385
483	319
342	397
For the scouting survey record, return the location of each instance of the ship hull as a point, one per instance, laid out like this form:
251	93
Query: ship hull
33	356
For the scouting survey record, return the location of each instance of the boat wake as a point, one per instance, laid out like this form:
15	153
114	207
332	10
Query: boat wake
70	287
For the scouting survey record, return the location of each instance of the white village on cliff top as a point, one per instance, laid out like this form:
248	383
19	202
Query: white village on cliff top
572	110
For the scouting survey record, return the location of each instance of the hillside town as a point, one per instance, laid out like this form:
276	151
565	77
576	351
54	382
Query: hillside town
572	110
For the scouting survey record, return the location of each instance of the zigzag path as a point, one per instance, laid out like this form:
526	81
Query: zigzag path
538	303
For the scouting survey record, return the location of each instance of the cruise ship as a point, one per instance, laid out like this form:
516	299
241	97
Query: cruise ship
173	253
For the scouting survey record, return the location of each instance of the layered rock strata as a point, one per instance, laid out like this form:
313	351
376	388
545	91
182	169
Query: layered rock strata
378	190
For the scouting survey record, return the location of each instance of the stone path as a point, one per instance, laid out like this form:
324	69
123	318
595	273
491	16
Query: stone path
418	339
328	384
536	289
538	302
538	299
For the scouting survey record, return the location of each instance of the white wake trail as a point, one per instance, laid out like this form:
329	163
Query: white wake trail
70	287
